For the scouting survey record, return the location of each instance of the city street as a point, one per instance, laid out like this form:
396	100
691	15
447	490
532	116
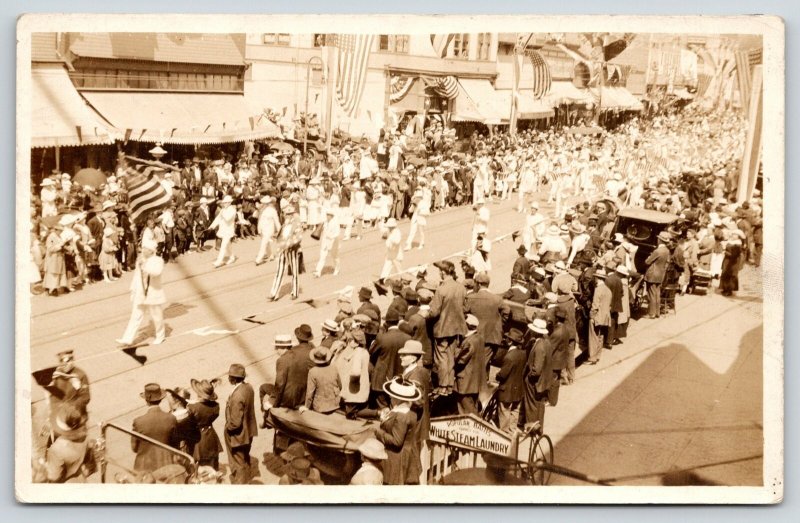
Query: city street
682	395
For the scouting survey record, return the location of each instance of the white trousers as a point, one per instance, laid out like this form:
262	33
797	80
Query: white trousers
324	250
156	313
388	265
224	250
266	245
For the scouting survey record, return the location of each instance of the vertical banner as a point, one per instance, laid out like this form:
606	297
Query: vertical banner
331	63
752	151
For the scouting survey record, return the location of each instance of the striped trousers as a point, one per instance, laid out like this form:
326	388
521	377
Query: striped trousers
291	258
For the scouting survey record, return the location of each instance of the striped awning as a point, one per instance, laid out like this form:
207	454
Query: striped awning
59	116
529	108
478	101
617	98
566	93
182	118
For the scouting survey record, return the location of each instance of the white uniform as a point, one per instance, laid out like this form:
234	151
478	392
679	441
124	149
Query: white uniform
329	244
394	253
147	298
268	226
225	223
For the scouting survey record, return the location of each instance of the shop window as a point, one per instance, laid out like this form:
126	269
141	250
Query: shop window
393	43
277	38
460	46
484	44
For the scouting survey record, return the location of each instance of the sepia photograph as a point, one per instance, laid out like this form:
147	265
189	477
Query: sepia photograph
436	266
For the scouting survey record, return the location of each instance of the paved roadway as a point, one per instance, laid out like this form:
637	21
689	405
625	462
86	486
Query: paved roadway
681	392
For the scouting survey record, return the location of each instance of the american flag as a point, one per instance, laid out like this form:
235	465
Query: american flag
400	85
351	70
440	43
541	74
745	60
145	194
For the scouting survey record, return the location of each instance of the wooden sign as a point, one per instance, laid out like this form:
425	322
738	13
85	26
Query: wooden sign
470	432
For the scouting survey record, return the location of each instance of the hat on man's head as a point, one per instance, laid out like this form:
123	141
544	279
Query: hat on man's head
149	244
304	333
236	370
391	223
425	295
66	355
363	319
552	297
623	270
445	265
402	389
664	236
515	336
227	199
152	393
538	326
365	293
68	420
410	295
472	321
411	347
47	182
320	355
330	326
396	285
521	250
392	316
482	278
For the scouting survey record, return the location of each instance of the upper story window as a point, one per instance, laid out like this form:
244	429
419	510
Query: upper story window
140	80
460	46
393	43
484	45
277	38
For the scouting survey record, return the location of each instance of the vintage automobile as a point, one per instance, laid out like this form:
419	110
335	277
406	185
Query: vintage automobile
641	228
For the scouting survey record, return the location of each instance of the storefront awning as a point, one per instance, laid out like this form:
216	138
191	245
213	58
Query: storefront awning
59	116
478	101
566	93
182	118
617	98
528	109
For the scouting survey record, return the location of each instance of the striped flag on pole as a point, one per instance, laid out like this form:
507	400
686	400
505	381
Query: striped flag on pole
351	69
541	74
745	61
145	194
440	43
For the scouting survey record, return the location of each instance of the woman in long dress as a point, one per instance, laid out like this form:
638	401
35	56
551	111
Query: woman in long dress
55	270
397	432
205	411
731	263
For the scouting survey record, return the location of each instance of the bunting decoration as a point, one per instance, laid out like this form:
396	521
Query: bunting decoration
542	80
445	86
400	86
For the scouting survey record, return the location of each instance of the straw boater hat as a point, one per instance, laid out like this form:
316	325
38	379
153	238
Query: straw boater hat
282	340
330	326
204	388
373	449
402	389
539	326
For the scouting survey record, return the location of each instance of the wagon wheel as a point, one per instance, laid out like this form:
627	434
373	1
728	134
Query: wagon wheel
541	454
489	411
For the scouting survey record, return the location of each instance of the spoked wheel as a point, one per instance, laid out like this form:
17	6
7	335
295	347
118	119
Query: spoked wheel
541	454
489	411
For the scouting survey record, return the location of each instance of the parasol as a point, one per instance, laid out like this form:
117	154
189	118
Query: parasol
90	177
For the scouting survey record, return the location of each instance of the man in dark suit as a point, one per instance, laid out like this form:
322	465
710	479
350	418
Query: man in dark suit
291	371
240	425
155	424
399	304
614	284
470	367
561	340
522	264
656	270
202	219
371	329
491	311
540	377
385	359
448	307
420	328
411	360
510	390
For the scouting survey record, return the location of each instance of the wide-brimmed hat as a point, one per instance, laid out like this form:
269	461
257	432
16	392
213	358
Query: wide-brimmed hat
515	336
204	388
320	355
152	392
373	449
304	333
181	394
539	326
330	325
299	469
410	295
67	220
236	370
412	347
402	389
664	236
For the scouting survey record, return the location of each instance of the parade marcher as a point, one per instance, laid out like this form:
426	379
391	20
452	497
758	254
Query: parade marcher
470	367
372	454
397	431
147	295
240	425
205	411
288	247
510	391
324	385
540	377
535	226
447	307
419	218
225	224
155	424
394	251
329	242
656	270
268	227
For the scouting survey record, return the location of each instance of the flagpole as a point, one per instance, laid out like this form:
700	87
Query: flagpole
332	63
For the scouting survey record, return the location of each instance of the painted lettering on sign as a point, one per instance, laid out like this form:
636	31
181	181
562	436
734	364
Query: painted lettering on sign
470	433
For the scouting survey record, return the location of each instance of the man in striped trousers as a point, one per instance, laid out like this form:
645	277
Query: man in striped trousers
289	246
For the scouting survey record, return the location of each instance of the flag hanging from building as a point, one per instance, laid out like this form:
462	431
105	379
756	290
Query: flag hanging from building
541	74
445	86
145	194
400	85
440	43
745	61
351	69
